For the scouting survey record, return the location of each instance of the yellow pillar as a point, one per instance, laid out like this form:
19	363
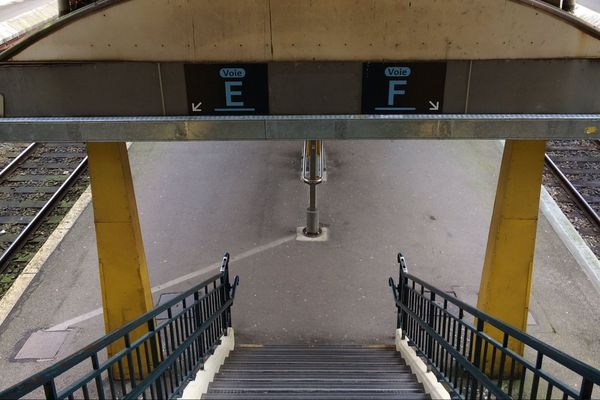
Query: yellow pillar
123	273
506	278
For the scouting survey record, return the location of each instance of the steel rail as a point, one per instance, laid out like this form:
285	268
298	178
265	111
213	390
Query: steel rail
15	162
579	199
37	219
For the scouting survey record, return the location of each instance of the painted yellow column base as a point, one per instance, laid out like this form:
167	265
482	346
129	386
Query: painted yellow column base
124	279
508	266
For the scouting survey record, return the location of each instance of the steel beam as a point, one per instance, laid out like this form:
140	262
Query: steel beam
455	126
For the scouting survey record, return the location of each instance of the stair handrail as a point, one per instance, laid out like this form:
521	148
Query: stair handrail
167	353
458	351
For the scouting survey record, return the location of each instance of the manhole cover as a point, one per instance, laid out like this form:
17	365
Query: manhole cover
42	345
165	298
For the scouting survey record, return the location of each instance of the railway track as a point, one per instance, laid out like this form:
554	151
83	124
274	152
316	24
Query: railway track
575	164
31	186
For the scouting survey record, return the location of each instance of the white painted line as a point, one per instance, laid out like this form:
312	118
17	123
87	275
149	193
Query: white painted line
63	326
584	256
83	317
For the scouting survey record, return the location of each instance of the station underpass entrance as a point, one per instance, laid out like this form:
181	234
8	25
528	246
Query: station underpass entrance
291	79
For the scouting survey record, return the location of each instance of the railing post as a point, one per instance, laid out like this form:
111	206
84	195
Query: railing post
477	356
536	376
50	390
99	385
198	315
155	355
586	389
403	295
430	322
225	288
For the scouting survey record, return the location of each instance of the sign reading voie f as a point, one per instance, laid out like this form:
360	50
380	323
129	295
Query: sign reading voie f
227	89
403	88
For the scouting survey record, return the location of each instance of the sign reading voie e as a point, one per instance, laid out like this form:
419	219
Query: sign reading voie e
227	89
403	87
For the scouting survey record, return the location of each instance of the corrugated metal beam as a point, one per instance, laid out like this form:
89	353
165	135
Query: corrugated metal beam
474	126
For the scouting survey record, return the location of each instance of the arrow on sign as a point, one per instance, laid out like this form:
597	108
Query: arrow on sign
196	107
434	106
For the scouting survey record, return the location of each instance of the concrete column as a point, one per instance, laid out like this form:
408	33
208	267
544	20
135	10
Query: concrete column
506	278
122	263
63	7
568	5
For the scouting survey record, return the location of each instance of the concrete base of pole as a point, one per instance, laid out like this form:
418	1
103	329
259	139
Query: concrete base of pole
301	237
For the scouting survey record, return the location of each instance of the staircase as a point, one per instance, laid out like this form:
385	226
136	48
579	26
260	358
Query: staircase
322	372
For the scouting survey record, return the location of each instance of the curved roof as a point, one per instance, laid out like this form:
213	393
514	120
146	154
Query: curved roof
289	30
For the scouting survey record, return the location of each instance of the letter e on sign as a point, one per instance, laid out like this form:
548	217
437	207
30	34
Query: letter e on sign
227	89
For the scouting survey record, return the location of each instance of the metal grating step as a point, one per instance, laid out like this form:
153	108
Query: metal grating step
311	385
321	396
332	357
307	375
321	372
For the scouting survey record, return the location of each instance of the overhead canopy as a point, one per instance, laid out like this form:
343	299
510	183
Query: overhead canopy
204	69
286	30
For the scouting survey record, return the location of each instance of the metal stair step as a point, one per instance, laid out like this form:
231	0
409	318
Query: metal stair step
321	368
314	372
251	375
321	396
315	363
310	385
304	356
303	349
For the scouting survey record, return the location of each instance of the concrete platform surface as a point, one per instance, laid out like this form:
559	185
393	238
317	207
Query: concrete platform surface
431	200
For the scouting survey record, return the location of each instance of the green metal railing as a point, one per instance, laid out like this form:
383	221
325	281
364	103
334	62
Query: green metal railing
153	356
452	338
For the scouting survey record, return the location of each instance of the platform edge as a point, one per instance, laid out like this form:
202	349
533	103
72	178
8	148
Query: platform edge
13	295
567	233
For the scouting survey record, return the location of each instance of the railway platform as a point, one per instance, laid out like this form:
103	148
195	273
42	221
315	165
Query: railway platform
380	197
217	98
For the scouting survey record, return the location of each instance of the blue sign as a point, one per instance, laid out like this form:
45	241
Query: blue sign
227	89
403	88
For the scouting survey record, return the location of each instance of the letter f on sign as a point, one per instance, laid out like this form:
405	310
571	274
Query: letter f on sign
393	91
